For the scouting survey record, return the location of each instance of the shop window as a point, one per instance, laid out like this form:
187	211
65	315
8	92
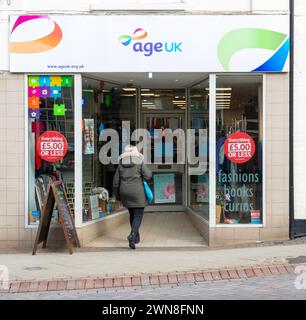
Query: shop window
104	106
51	122
239	150
198	173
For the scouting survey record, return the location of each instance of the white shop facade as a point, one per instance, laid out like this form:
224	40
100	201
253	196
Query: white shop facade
222	78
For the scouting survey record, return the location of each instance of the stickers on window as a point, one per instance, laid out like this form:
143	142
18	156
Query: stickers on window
239	147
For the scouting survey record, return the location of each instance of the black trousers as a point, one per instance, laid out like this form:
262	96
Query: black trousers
136	215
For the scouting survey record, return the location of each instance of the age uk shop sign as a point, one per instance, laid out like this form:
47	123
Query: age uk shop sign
142	43
51	146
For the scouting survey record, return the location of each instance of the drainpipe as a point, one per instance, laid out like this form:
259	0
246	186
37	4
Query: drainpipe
291	125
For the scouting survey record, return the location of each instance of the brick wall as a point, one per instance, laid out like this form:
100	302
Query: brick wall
12	162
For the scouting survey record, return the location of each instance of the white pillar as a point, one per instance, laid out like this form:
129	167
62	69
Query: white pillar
78	170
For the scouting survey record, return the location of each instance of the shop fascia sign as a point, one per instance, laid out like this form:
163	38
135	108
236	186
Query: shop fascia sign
60	43
148	48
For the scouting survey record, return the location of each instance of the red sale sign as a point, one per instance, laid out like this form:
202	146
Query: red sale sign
51	146
239	147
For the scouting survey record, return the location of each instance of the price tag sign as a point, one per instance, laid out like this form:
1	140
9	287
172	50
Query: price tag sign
51	146
239	147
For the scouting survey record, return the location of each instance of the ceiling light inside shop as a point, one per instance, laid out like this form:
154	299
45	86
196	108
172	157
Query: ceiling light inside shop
147	94
129	89
220	89
143	89
223	100
150	75
224	94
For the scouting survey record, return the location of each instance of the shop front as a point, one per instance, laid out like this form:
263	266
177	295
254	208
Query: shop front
208	111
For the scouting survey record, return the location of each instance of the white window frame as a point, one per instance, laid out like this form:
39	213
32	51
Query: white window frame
212	150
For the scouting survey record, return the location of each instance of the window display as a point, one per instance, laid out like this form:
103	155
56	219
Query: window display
51	139
239	150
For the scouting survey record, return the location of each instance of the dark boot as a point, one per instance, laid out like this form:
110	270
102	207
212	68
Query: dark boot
132	240
137	239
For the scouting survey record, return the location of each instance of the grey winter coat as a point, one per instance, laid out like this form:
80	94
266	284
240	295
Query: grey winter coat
128	185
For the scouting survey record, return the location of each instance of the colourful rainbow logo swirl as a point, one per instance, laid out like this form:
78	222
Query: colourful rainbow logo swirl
39	45
138	34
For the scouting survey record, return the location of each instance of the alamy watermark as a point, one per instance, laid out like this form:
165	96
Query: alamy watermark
4	277
169	146
300	281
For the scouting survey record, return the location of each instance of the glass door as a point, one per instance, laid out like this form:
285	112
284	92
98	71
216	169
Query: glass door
168	183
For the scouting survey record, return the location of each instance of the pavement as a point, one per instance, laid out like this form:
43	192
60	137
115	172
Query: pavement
46	265
262	288
126	269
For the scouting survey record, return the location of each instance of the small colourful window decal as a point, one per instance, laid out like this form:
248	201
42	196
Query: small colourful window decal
45	87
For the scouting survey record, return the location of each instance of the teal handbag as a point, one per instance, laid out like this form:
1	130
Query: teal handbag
148	191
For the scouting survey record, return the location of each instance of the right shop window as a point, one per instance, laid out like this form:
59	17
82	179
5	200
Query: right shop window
239	136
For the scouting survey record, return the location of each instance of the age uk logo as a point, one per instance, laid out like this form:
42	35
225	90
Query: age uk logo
148	48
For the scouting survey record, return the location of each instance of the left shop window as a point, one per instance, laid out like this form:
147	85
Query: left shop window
51	139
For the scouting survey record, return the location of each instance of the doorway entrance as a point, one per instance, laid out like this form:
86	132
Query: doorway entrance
162	114
156	106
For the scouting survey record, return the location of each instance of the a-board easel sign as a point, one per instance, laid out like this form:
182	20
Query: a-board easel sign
56	194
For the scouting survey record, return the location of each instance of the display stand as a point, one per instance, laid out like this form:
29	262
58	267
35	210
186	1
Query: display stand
56	194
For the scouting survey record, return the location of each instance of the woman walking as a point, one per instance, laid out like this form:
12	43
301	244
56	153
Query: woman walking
128	188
